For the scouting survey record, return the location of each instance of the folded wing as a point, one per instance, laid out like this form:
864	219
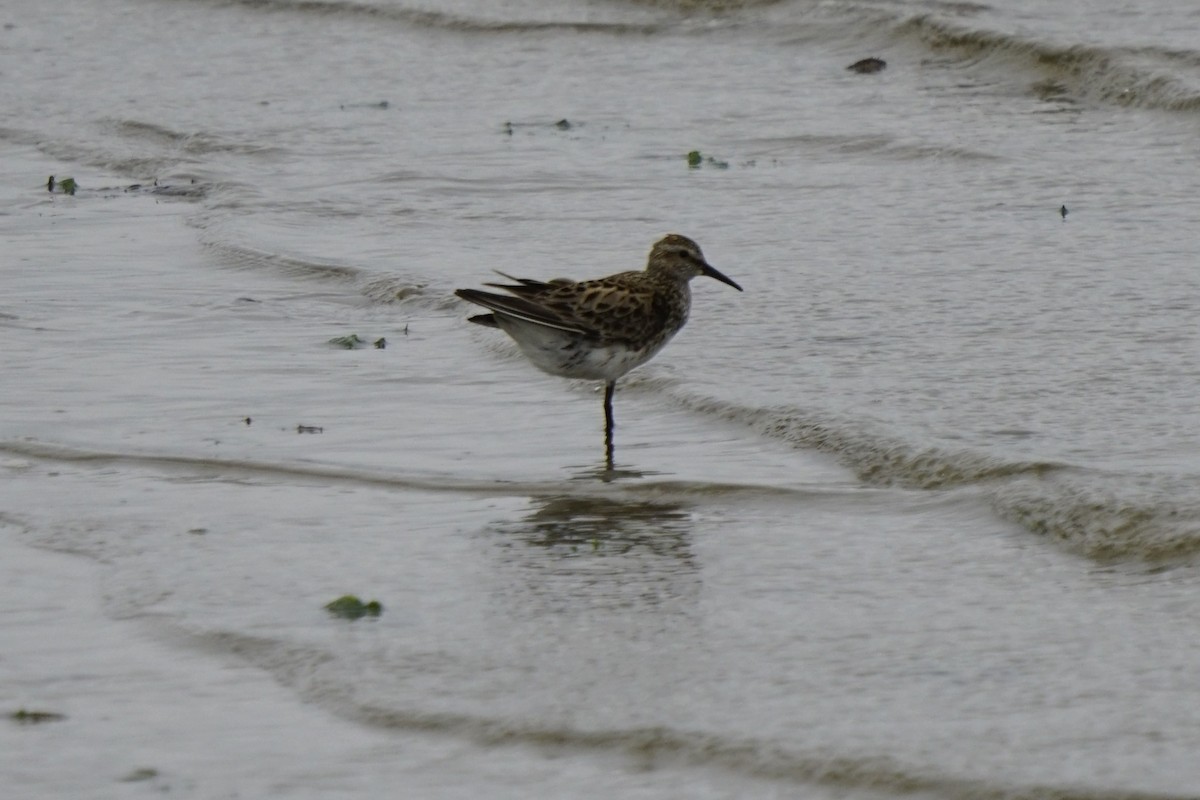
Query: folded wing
518	308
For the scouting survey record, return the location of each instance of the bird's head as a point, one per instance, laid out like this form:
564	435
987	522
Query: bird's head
680	258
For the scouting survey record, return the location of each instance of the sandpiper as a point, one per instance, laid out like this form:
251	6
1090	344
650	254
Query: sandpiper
599	329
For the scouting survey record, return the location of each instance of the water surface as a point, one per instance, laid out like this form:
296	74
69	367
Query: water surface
915	515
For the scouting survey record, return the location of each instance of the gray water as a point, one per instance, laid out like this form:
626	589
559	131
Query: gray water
915	515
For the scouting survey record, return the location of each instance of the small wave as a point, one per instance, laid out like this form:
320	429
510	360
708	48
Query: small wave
390	289
1107	518
20	136
709	6
1139	77
385	289
143	166
141	150
244	256
873	456
437	19
1100	515
876	144
190	143
599	488
148	131
320	677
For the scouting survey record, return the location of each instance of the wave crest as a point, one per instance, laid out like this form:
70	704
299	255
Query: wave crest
1102	515
319	676
873	456
443	20
1140	77
1106	523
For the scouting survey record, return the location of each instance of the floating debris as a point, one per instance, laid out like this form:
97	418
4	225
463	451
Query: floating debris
35	717
354	341
350	607
509	127
141	774
382	105
69	186
66	185
309	429
696	159
868	66
347	342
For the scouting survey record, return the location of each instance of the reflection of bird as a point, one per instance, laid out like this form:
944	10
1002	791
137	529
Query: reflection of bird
599	329
610	526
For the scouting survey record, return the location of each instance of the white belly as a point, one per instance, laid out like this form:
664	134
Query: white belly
569	356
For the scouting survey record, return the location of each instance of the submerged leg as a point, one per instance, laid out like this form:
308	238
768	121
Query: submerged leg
608	423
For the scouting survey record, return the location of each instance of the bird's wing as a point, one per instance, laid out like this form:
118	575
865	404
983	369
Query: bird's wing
528	287
523	309
614	309
617	309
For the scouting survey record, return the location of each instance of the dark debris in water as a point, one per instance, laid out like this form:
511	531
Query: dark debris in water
353	341
309	429
26	717
348	342
65	186
381	105
189	190
68	186
140	774
696	159
564	124
350	607
868	66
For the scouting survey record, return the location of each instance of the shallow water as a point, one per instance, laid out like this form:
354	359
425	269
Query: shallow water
915	515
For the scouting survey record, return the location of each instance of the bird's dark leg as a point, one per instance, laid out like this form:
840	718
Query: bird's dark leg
609	388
